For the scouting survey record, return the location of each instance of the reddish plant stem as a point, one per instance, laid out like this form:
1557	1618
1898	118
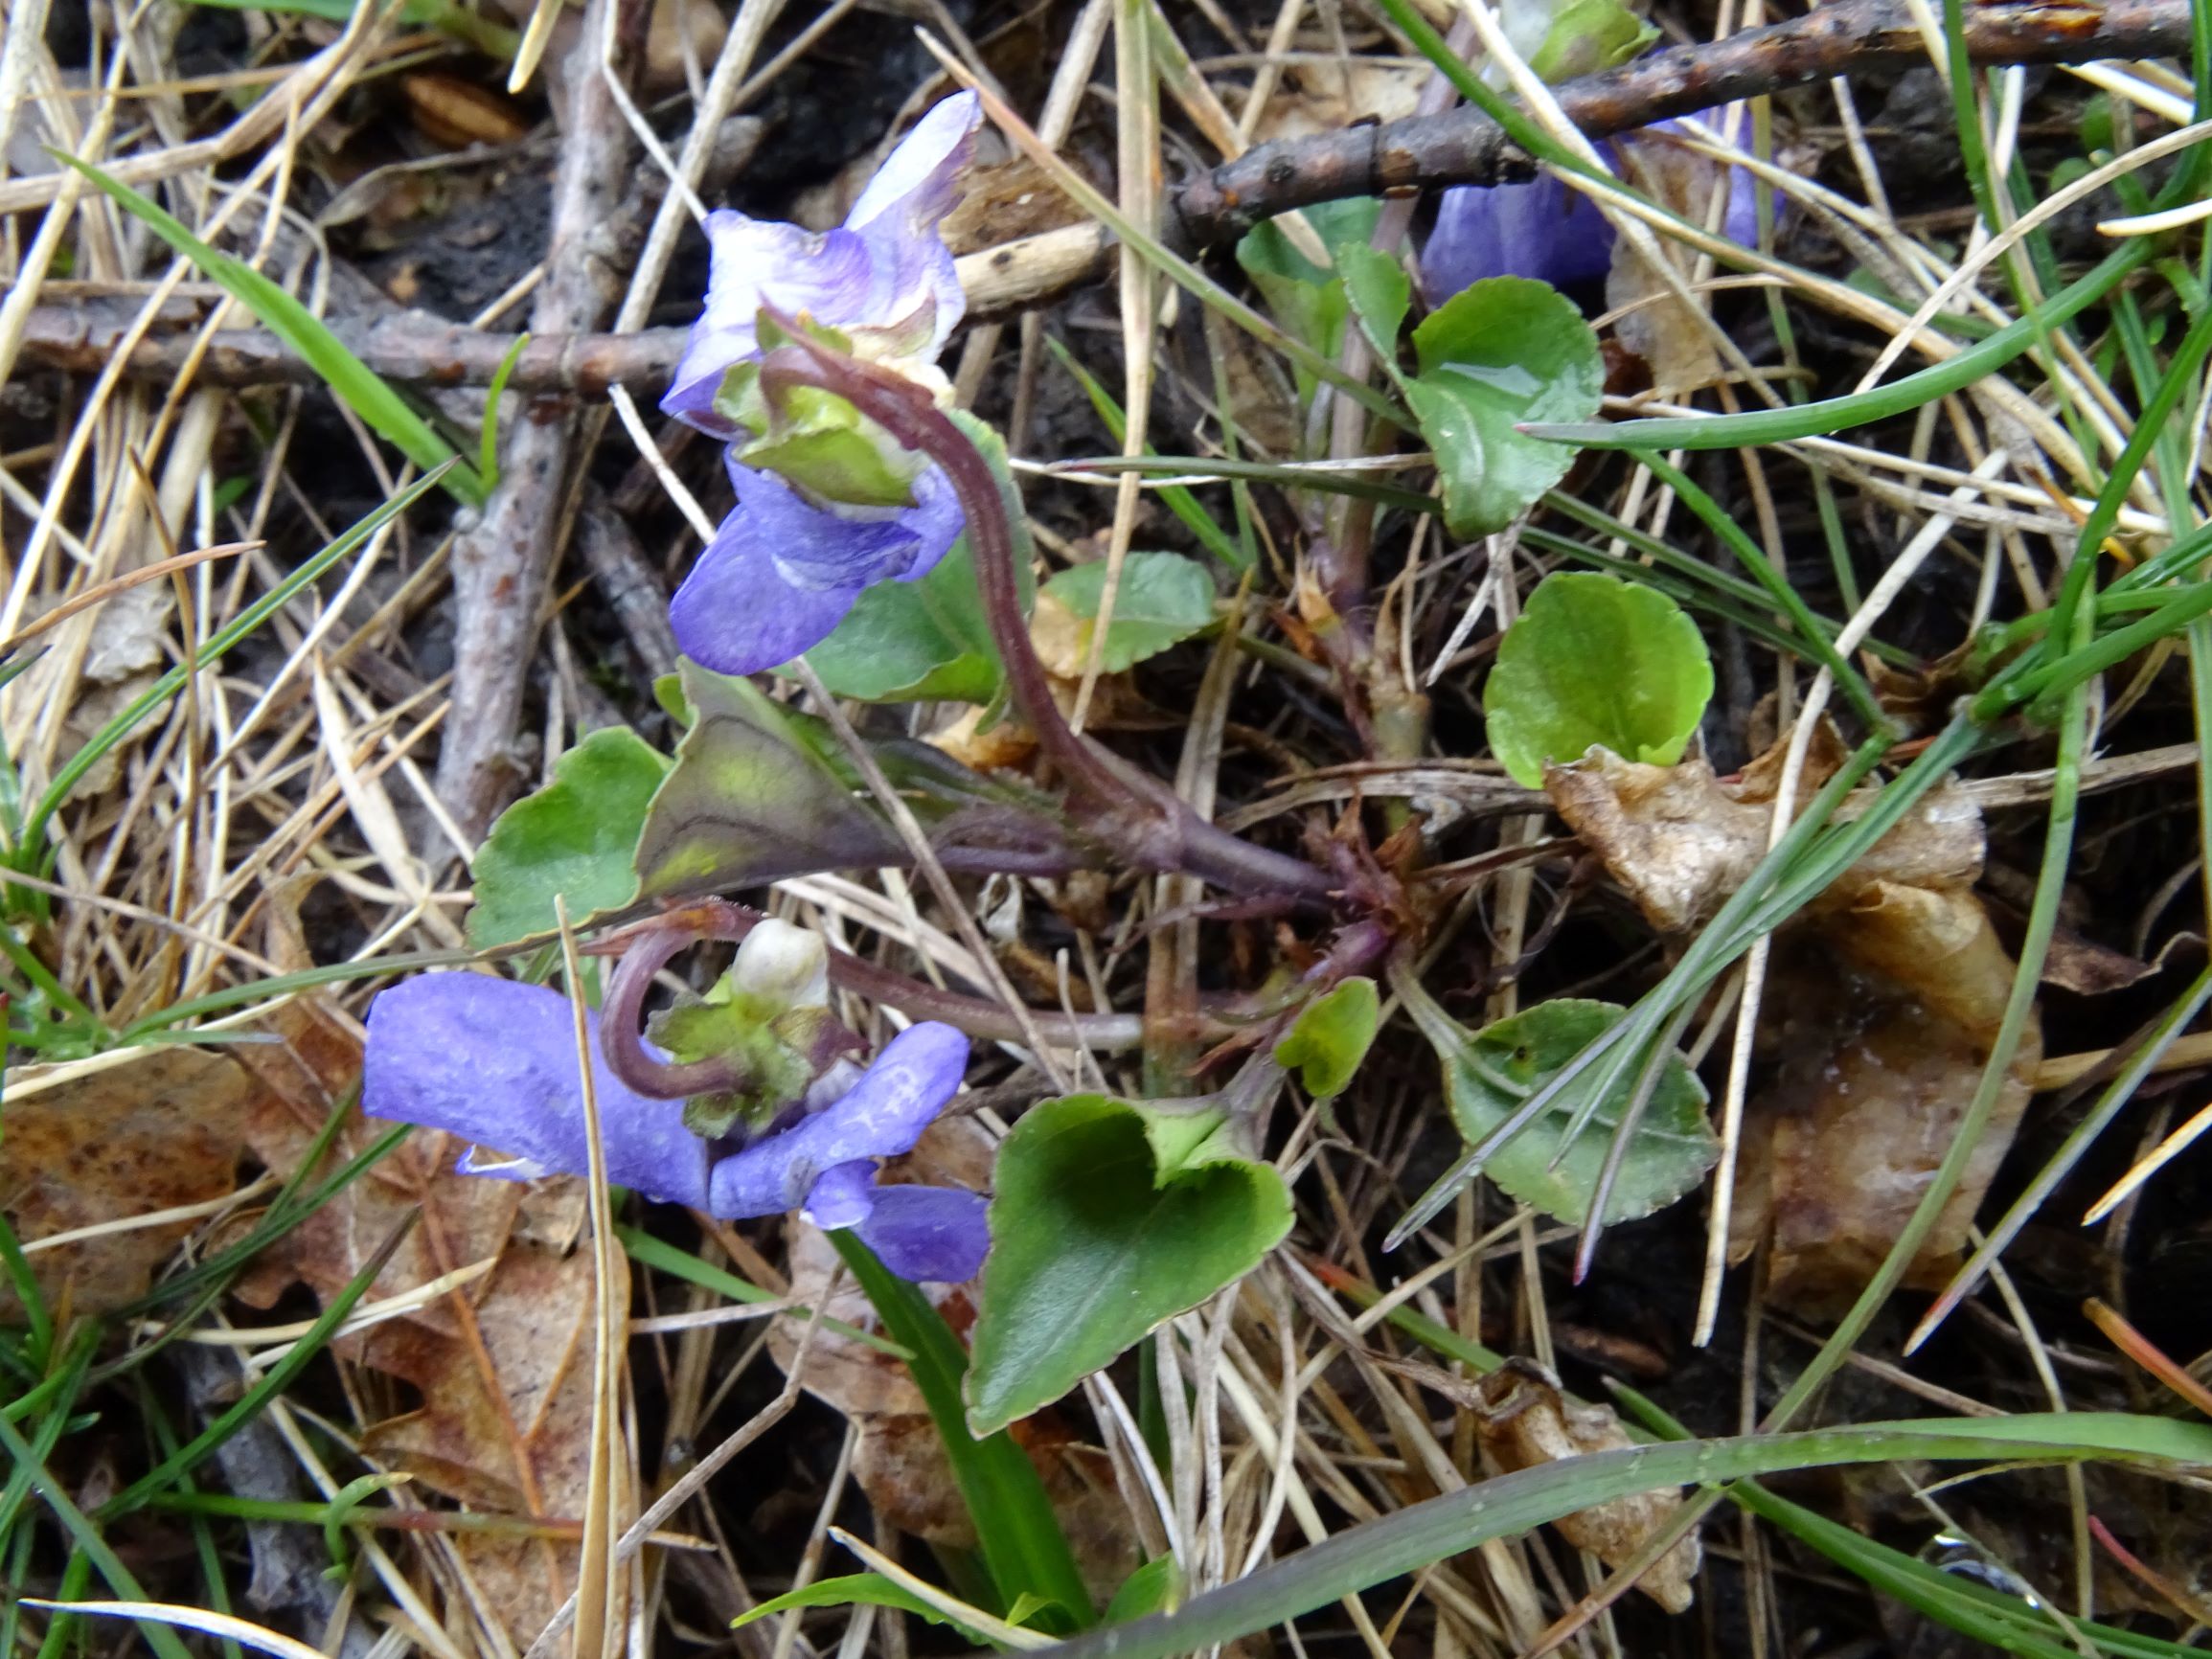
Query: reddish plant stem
1139	818
649	946
622	1024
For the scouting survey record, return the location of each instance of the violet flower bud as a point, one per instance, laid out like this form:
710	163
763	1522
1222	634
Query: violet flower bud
1548	230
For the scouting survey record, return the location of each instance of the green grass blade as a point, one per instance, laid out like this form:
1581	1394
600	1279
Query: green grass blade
156	1023
1423	1534
660	1255
1178	500
1878	403
88	1542
1021	1540
1785	599
487	446
363	390
1283	476
272	1383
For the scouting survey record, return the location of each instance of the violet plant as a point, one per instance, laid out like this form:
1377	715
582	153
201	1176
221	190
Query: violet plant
826	504
795	1122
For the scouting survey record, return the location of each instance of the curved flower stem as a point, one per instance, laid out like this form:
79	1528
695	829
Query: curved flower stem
720	919
1140	818
621	1025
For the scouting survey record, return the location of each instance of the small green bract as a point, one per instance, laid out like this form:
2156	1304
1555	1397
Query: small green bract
1594	660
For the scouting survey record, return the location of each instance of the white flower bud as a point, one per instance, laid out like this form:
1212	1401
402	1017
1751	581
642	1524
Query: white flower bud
784	967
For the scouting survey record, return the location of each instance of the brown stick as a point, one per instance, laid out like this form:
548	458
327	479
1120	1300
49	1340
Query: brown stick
1847	38
1459	147
503	563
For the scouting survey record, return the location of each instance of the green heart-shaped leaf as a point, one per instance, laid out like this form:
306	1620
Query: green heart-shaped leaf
1488	1075
927	640
1110	1216
1381	295
752	799
576	837
1504	350
1593	659
915	640
1306	298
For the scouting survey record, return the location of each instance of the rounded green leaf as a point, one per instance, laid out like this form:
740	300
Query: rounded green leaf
1501	351
1331	1037
1595	660
1488	1075
1109	1217
1163	599
576	837
915	640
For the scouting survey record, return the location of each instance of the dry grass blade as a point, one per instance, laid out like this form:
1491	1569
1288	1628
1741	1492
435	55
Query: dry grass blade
599	1615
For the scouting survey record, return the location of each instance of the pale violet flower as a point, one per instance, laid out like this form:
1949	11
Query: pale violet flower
884	274
789	560
494	1062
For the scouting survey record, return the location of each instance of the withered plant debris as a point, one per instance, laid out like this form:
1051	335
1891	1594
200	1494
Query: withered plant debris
1523	1421
1882	1006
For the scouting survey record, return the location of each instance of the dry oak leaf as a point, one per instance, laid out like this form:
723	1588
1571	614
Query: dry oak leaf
1680	841
1881	1007
1523	1420
161	1130
1883	1016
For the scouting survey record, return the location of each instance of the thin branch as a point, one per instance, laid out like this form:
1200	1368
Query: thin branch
503	563
1845	39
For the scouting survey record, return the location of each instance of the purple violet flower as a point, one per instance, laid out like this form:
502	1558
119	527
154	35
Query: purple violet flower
787	565
1546	229
781	573
494	1061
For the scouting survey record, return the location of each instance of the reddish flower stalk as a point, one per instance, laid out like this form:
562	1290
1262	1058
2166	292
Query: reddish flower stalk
621	1022
1139	818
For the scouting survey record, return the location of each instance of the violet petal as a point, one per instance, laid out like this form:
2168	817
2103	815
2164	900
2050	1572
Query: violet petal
928	1232
1543	229
737	612
832	277
844	1196
900	211
494	1061
885	269
919	182
880	1117
843	547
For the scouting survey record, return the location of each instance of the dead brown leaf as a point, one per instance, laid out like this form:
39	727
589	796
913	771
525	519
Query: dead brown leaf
1882	1016
1327	97
162	1130
1682	842
1005	201
1523	1421
1882	1006
458	113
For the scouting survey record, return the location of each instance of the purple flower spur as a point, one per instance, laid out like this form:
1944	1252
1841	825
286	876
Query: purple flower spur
494	1061
806	539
